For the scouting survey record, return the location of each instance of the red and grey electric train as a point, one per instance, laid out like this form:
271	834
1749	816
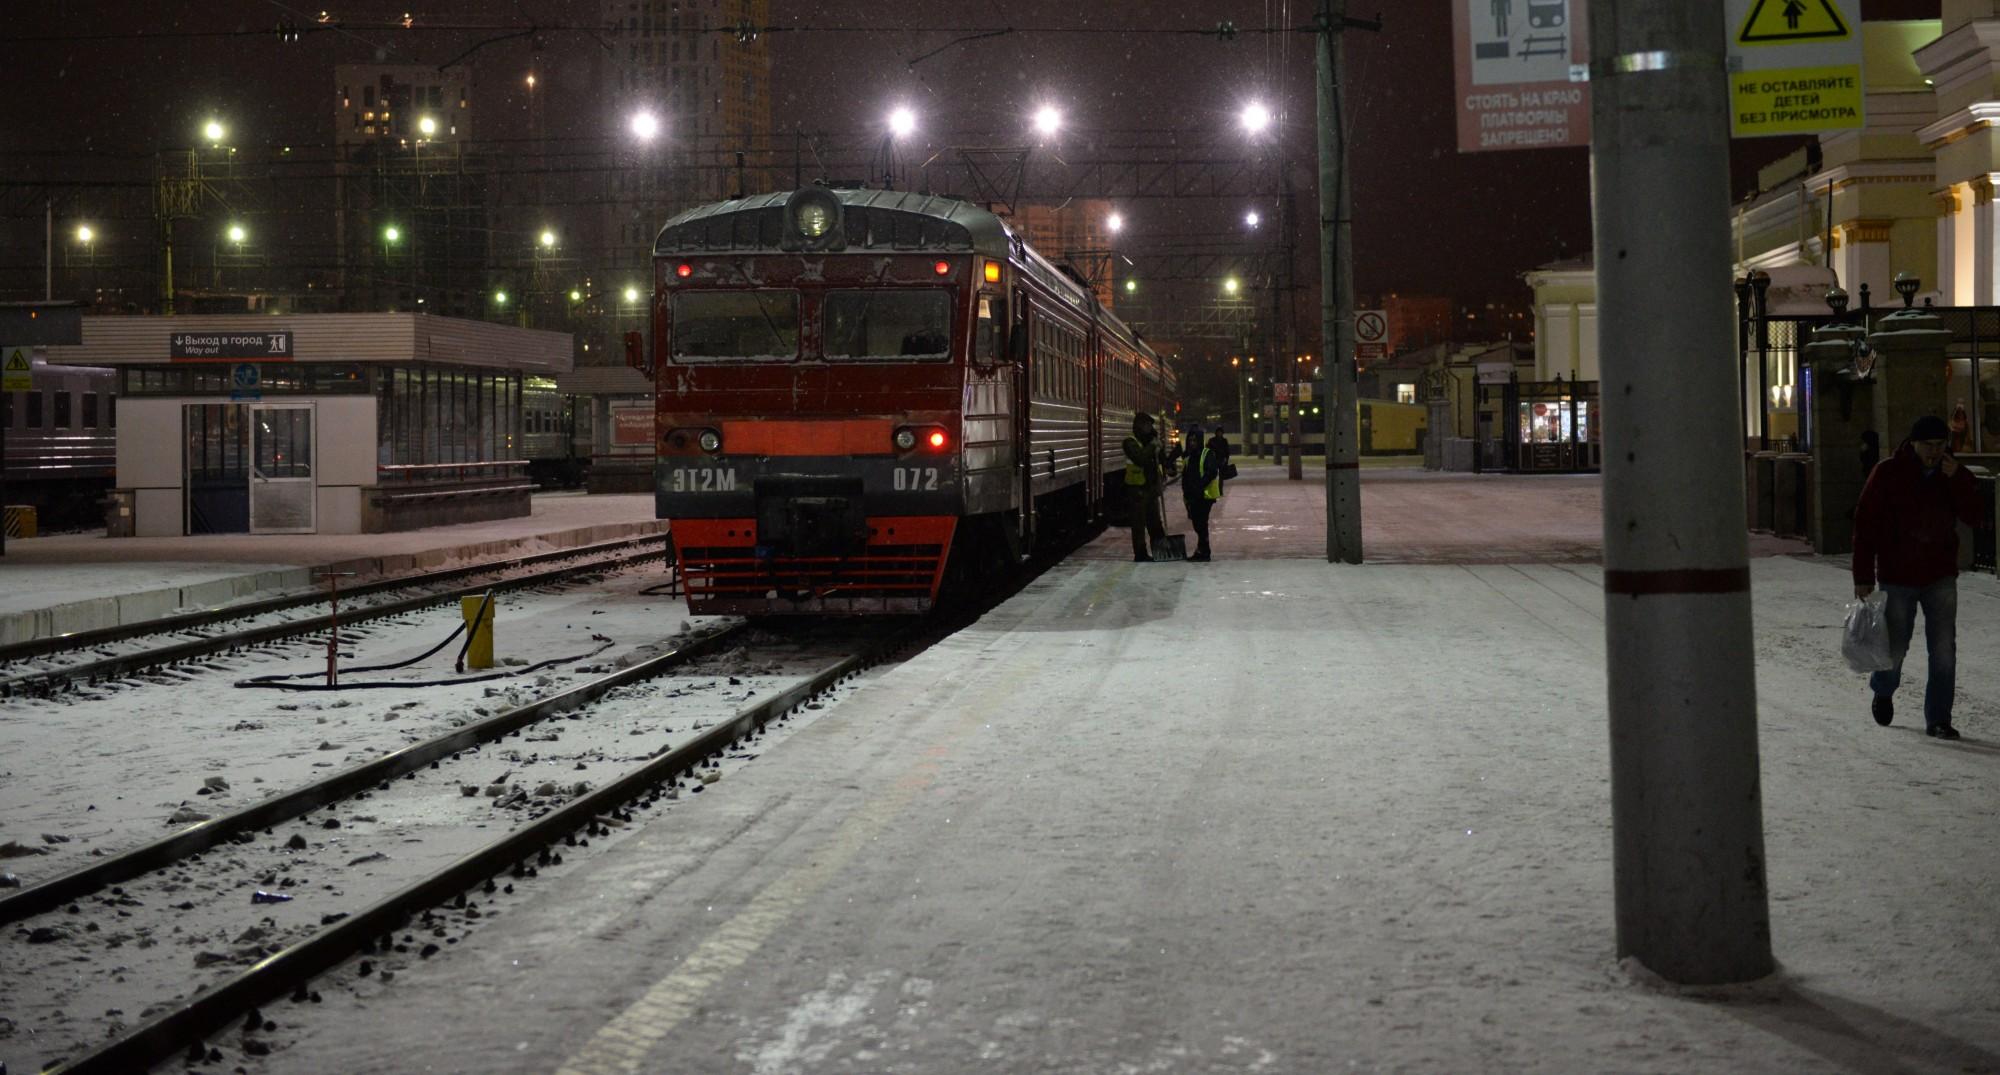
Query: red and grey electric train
863	394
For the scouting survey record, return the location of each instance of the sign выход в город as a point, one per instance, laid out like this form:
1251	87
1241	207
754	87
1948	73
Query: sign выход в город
228	346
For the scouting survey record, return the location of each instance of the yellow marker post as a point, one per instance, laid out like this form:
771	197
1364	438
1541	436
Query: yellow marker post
480	653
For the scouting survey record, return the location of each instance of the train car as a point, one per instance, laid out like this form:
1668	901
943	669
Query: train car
865	396
555	434
62	443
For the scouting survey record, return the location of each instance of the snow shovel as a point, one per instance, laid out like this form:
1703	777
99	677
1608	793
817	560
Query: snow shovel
1172	546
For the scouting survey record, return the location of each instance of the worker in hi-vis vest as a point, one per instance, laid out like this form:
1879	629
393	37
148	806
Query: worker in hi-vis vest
1142	486
1201	487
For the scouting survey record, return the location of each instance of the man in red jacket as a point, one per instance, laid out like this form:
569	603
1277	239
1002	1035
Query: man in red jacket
1906	534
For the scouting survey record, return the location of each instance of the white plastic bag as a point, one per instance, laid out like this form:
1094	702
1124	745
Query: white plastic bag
1864	638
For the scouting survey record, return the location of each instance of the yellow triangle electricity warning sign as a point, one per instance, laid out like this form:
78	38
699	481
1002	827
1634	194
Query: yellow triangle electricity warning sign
15	375
1786	22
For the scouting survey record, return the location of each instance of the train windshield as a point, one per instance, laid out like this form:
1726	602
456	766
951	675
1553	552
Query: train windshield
721	325
892	324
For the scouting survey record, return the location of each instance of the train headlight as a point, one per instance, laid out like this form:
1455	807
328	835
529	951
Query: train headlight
710	441
906	439
815	219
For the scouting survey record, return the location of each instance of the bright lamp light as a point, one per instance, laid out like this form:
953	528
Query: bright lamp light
902	122
645	126
1047	120
1256	117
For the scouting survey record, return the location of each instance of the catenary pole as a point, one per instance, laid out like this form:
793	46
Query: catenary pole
1686	812
1336	233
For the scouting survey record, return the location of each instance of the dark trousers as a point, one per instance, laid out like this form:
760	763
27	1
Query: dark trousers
1198	508
1144	509
1939	602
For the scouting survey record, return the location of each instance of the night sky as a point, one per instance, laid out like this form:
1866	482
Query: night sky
1428	219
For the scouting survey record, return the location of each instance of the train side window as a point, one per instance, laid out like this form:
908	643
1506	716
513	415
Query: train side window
34	413
90	410
62	410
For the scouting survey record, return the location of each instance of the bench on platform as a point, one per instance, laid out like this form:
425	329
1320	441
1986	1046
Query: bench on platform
414	496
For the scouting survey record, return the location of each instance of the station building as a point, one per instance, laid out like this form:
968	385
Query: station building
316	423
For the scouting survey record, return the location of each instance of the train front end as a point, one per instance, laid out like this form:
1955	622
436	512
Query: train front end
809	354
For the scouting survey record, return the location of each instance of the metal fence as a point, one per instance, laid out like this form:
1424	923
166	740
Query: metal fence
1973	386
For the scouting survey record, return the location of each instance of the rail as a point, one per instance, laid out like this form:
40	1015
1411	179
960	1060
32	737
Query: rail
417	473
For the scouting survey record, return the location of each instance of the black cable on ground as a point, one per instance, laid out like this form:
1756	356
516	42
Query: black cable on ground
278	680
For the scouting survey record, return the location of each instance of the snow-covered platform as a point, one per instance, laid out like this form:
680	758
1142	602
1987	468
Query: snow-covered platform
77	582
1263	814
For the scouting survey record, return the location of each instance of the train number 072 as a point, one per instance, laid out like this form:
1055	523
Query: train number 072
916	479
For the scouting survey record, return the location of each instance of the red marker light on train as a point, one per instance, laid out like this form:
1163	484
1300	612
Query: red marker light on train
936	439
684	271
941	268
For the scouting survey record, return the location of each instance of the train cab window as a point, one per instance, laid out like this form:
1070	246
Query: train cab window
90	410
62	410
33	414
896	324
714	326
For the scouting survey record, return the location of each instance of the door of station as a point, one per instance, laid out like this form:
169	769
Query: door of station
282	490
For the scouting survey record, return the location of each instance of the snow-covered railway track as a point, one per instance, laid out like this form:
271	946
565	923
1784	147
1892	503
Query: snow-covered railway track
44	667
434	887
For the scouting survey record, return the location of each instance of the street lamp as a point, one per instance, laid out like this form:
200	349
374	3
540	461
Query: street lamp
1907	285
500	298
1131	287
548	239
1231	286
645	125
214	131
237	234
1251	219
427	126
1256	117
902	122
84	235
1114	223
631	295
392	234
575	295
1047	121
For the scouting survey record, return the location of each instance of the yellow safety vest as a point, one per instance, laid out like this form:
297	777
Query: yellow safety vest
1213	490
1134	473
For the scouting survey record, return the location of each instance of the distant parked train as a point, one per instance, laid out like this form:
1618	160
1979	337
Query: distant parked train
61	443
555	434
862	392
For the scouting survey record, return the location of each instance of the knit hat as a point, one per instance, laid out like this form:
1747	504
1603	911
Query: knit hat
1930	427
